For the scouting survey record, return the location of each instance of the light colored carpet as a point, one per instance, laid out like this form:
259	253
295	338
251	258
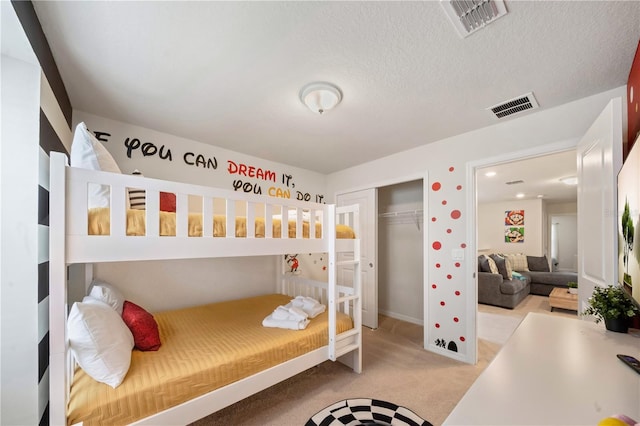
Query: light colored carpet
396	369
496	328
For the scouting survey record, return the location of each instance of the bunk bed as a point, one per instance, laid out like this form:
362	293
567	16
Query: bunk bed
249	225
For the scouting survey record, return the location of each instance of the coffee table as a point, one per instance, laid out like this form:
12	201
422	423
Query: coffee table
562	299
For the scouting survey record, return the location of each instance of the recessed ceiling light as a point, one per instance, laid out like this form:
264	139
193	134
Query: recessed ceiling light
571	180
490	174
540	195
520	195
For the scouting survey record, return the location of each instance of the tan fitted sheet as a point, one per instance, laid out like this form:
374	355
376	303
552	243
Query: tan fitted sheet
99	224
203	348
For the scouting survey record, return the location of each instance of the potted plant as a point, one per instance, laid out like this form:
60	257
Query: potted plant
612	305
573	287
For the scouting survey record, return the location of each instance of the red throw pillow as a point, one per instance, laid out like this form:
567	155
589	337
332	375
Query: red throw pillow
167	202
142	325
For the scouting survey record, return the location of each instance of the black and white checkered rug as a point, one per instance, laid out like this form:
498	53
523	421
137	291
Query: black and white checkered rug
364	411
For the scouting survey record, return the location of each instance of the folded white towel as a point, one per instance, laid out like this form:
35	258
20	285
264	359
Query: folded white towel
289	313
280	313
297	313
269	321
309	305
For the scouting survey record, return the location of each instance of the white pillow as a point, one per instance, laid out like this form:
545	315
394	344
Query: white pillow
88	153
106	293
100	342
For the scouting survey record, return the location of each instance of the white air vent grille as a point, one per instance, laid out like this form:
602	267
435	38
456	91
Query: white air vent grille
514	106
468	16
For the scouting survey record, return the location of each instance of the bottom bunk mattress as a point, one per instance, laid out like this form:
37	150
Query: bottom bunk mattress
203	348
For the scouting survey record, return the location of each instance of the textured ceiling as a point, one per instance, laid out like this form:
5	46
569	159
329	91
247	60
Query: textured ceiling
229	73
539	176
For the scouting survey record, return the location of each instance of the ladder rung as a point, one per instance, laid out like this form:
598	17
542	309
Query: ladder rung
348	262
347	334
346	349
347	298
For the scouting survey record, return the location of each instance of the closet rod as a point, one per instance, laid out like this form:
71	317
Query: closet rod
401	213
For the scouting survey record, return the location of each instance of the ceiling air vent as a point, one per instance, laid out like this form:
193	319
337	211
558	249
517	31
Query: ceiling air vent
468	16
514	106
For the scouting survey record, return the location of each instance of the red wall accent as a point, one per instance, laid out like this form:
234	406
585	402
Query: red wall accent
633	99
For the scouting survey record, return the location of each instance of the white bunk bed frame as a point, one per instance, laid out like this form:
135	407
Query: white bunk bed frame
69	243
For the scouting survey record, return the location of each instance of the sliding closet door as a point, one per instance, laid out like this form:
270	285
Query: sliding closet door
367	200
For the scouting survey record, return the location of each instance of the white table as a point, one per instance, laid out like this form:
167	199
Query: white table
554	371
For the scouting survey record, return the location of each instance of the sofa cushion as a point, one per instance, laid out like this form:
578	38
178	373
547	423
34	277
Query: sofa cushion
504	266
538	263
512	286
559	279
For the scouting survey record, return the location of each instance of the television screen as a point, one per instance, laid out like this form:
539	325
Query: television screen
629	224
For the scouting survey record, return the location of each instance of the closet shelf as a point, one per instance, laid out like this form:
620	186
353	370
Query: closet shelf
405	216
417	213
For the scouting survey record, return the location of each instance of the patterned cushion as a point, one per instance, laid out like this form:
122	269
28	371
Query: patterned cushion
504	266
137	196
518	261
487	264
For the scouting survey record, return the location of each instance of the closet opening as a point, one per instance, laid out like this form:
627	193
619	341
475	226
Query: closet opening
401	251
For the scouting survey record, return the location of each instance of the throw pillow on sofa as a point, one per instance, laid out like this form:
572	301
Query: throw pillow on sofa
504	266
518	261
538	263
487	264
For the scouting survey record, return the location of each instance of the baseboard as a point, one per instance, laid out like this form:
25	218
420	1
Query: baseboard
401	317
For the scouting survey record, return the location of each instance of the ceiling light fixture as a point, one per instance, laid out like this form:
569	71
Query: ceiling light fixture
490	174
571	180
519	195
320	97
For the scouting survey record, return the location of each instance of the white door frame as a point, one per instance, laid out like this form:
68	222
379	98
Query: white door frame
472	225
402	179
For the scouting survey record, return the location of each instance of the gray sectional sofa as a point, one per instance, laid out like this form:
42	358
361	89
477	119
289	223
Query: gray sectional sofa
494	289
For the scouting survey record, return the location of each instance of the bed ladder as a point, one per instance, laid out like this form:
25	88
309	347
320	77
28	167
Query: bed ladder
349	297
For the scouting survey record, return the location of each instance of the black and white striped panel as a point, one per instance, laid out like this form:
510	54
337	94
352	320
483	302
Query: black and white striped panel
55	135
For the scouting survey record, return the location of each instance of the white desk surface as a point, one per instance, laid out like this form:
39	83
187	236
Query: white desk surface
554	371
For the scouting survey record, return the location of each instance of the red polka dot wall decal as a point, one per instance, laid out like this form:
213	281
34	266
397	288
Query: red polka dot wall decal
433	286
457	293
437	325
462	339
437	245
433	219
457	264
449	276
437	265
455	214
463	245
436	186
449	230
456	319
442	303
444	202
451	168
459	187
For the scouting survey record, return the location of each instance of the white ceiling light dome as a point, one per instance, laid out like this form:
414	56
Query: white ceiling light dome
320	97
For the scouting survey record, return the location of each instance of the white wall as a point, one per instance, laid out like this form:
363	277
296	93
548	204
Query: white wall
21	246
450	289
491	227
165	285
400	252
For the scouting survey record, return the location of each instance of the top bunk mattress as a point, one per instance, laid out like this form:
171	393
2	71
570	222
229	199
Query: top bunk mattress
203	348
99	224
